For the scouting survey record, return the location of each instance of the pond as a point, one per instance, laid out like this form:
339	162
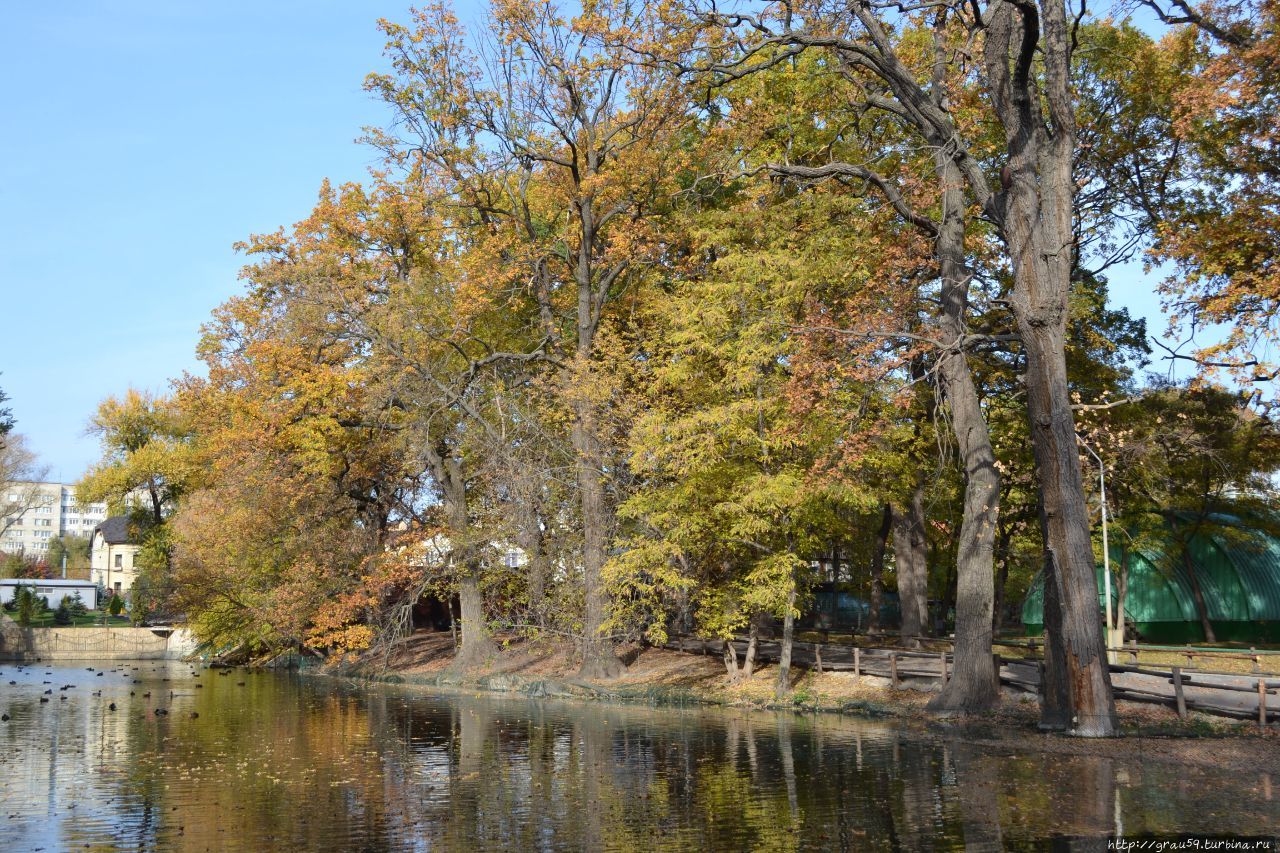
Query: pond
263	761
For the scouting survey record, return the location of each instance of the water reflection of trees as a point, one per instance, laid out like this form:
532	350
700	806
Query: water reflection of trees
315	765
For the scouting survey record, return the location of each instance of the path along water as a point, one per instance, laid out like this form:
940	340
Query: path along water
272	761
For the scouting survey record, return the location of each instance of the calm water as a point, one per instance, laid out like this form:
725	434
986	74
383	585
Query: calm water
274	761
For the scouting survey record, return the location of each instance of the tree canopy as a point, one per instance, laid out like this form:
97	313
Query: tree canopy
657	318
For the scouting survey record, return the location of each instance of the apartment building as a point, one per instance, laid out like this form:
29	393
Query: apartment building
51	511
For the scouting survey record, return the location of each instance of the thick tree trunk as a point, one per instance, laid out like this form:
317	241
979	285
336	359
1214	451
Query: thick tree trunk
1055	691
784	657
598	659
477	647
909	550
1035	214
973	685
1197	594
1067	521
877	569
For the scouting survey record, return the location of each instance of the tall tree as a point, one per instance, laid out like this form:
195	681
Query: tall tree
555	103
142	439
837	140
1026	193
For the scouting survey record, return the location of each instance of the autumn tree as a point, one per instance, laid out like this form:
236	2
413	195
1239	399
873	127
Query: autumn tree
74	549
299	450
1203	179
1025	191
556	139
732	507
142	438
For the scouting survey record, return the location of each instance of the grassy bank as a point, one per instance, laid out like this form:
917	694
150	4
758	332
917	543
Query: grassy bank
662	677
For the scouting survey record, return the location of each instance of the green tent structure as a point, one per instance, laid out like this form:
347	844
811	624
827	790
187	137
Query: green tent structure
1236	564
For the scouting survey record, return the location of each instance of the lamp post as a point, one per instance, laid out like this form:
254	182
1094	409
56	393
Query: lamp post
1106	551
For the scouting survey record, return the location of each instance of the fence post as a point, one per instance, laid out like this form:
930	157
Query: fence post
998	663
893	668
1257	666
942	658
857	662
1177	693
1262	704
817	656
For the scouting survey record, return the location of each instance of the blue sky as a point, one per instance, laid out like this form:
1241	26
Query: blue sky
139	141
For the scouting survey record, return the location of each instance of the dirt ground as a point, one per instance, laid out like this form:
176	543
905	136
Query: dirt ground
1152	732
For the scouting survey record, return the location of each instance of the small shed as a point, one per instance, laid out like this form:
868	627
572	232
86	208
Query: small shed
52	591
1236	564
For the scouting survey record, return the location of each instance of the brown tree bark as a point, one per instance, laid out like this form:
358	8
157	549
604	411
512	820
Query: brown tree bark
477	644
910	556
731	661
1036	223
1122	593
753	641
1055	691
877	569
973	685
783	688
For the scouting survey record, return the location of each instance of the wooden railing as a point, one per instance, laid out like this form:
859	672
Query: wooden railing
1222	694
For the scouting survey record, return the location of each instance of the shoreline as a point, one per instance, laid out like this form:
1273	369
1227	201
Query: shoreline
658	678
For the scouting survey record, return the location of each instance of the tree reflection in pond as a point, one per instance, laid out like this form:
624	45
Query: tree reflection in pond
315	764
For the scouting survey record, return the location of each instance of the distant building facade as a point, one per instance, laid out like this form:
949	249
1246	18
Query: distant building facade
113	555
54	512
52	591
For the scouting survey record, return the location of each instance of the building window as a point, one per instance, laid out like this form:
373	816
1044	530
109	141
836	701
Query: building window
119	561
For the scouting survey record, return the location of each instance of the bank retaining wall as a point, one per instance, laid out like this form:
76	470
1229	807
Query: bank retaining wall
101	644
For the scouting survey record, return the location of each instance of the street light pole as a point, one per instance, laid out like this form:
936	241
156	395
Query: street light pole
1106	551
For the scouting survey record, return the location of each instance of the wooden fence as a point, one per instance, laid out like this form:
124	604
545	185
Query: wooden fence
1190	688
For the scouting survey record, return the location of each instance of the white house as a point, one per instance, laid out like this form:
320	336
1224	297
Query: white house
52	591
113	555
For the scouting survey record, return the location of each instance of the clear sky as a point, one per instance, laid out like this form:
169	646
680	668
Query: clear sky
139	139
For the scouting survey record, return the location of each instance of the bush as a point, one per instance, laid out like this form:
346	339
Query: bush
75	605
27	604
115	605
62	616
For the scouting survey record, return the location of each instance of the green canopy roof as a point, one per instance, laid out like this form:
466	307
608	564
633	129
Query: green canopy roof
1237	565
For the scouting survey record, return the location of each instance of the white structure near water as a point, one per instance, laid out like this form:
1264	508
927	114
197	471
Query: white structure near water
52	591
